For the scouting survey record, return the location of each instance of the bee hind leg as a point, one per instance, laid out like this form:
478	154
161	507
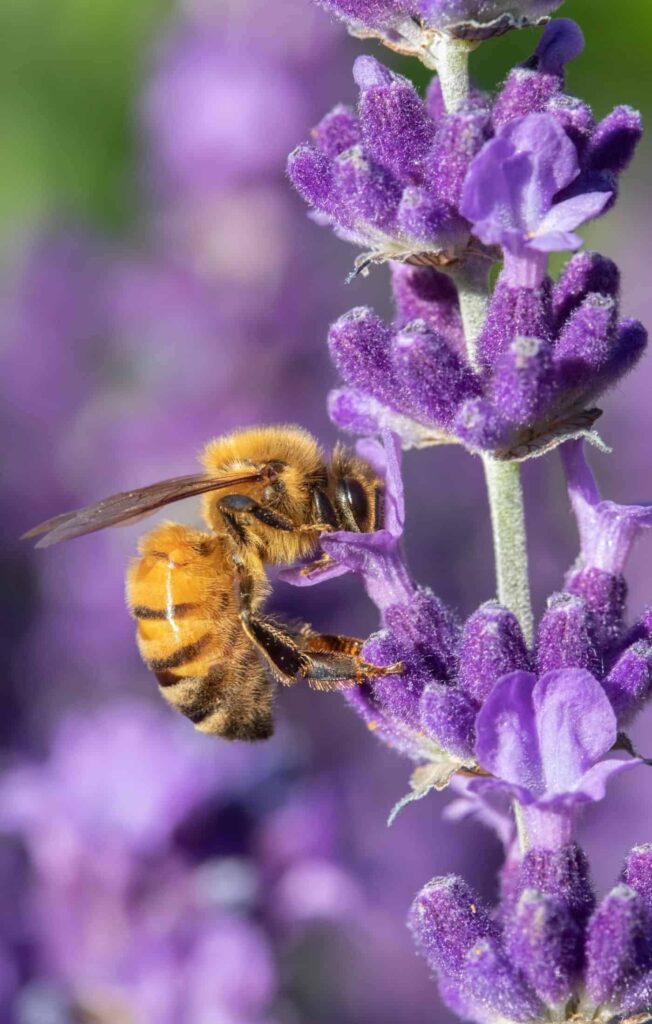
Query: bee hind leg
335	662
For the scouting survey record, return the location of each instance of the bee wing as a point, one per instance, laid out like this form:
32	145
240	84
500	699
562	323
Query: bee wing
132	505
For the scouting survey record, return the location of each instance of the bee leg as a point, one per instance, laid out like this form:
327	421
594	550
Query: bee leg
234	504
335	662
319	563
278	648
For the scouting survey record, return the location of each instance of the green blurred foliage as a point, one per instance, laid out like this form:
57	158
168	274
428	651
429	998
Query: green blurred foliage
70	72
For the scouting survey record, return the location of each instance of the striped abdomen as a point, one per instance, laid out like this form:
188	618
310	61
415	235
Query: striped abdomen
181	593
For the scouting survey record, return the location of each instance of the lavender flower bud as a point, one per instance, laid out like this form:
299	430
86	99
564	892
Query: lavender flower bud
377	14
448	715
433	379
562	41
562	874
523	383
615	140
359	344
367	194
397	130
566	635
524	92
458	140
575	117
478	425
495	988
545	942
447	920
605	594
637	873
618	945
492	646
432	223
629	682
514	312
585	340
585	272
311	173
336	132
627	348
423	293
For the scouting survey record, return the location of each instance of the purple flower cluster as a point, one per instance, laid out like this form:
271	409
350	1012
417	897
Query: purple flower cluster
154	887
402	23
548	952
458	190
524	722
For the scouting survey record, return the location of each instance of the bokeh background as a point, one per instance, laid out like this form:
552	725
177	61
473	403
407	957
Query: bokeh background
161	284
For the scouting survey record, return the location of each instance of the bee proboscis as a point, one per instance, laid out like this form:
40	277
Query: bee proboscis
198	595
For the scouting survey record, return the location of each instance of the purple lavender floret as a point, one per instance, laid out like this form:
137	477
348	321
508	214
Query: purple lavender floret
544	949
540	374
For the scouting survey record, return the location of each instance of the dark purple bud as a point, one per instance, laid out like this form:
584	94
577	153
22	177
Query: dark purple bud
448	715
605	593
627	348
479	425
562	874
459	138
566	636
367	193
562	41
585	341
359	344
629	682
311	173
524	92
337	131
397	130
423	293
514	312
429	630
618	945
545	942
429	221
447	920
492	646
585	272
615	140
399	701
575	117
433	379
637	872
496	987
523	381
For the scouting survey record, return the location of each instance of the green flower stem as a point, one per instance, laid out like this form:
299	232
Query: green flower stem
451	58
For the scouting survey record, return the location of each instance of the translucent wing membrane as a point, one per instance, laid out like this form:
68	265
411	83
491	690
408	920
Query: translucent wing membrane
132	505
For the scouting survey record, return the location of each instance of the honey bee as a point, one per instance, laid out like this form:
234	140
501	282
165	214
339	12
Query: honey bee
197	595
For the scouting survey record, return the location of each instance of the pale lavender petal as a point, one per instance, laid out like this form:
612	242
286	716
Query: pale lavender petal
386	460
607	530
575	724
555	241
507	743
571	213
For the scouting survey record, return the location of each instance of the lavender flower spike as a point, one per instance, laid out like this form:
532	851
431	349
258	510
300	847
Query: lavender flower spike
509	196
480	19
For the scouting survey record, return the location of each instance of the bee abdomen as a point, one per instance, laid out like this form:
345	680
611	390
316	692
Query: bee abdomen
216	705
181	656
177	611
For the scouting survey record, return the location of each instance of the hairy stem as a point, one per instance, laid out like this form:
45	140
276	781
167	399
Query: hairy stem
503	478
451	58
510	545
